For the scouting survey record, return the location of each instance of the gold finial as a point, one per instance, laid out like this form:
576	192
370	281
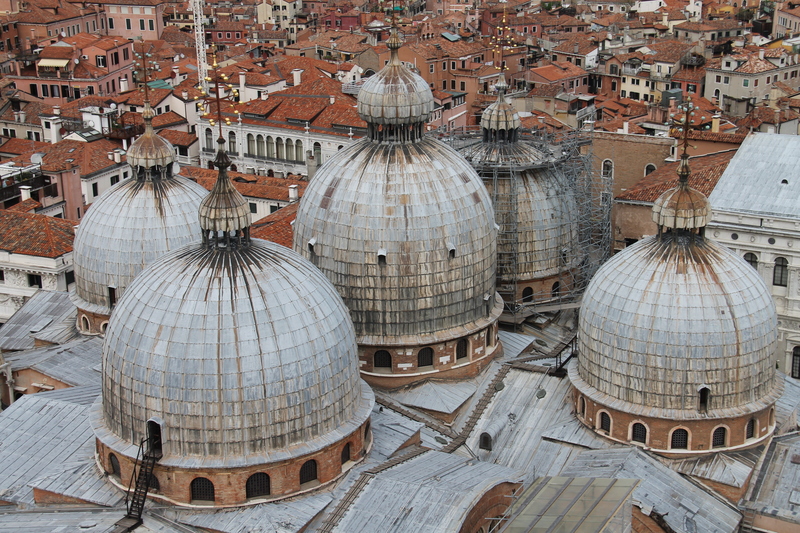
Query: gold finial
225	96
143	67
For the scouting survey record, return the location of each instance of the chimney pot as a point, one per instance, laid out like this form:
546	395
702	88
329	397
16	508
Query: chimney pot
293	194
25	192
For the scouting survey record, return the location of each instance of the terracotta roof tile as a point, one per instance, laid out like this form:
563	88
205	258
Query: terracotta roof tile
250	185
25	206
277	226
18	146
37	235
90	157
178	138
705	173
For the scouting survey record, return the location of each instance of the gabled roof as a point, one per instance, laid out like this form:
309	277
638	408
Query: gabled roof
90	157
178	138
706	171
36	235
250	185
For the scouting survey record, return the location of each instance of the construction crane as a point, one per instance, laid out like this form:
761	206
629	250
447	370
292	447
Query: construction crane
200	43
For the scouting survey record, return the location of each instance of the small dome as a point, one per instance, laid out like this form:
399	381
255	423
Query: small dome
128	227
500	115
669	316
150	150
245	356
682	207
224	209
395	95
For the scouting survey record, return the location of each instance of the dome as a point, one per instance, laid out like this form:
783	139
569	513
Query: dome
150	150
500	115
404	228
245	358
682	207
225	209
128	227
669	316
395	95
405	232
240	349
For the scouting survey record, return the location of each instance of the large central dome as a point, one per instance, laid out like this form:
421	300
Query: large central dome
404	228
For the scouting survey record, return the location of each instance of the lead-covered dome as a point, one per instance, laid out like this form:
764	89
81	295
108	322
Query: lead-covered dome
240	351
669	316
395	95
150	150
128	227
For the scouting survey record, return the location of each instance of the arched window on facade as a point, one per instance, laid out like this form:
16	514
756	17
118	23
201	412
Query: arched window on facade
202	490
796	362
649	169
679	440
705	398
299	154
318	153
485	442
308	472
280	148
115	469
639	433
780	275
556	290
750	429
527	294
751	259
718	437
290	149
251	144
257	485
232	142
260	149
209	139
608	168
425	357
270	146
605	422
346	453
382	359
582	407
153	484
462	348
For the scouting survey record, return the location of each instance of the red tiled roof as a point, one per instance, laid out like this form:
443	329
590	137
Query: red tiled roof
25	206
705	173
250	185
18	146
90	157
277	226
38	235
178	138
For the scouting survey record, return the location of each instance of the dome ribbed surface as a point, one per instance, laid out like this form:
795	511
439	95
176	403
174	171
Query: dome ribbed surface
681	208
500	115
413	203
395	95
246	356
128	227
670	315
224	209
150	150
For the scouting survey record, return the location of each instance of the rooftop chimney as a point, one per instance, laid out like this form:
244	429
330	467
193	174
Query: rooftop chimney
761	53
293	194
56	110
123	85
25	191
297	76
333	99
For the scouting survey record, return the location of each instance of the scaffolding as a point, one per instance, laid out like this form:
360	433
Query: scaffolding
545	258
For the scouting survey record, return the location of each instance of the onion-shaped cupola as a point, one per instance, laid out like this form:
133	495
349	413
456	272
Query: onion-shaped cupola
676	339
131	225
404	228
237	360
500	122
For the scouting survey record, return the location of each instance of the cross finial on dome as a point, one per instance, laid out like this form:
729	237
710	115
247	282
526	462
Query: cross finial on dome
682	207
150	155
224	213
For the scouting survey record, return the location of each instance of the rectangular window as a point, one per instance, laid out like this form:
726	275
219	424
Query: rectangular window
726	80
452	65
114	180
755	84
718	79
452	85
34	90
127	24
94	190
125	54
100	61
34	280
110	23
444	85
2	276
141	24
46	125
463	86
745	83
69	277
444	65
150	25
430	68
253	208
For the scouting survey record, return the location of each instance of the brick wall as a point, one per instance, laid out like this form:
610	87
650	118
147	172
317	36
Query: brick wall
492	504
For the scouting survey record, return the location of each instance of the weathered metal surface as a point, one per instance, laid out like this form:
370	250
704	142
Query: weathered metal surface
150	150
224	209
72	363
247	355
670	315
762	178
684	506
128	227
431	492
415	202
682	208
43	309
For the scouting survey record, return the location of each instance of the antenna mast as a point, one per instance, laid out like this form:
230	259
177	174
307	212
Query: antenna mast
200	43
